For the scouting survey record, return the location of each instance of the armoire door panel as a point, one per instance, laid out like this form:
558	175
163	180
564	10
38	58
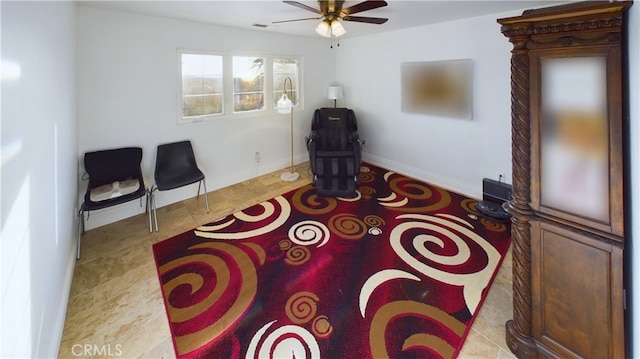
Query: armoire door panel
575	285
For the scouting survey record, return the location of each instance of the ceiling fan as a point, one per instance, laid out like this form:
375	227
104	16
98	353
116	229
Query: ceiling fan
331	12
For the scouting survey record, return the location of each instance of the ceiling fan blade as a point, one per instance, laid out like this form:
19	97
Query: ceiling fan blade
302	6
308	18
368	20
363	6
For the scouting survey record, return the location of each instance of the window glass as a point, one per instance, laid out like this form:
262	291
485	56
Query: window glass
202	86
575	136
284	68
248	83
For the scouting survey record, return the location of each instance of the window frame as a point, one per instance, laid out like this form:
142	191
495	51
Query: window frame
228	111
191	119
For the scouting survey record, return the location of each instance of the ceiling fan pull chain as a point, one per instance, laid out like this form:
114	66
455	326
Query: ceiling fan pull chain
331	36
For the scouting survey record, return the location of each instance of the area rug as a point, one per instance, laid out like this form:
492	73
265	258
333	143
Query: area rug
399	271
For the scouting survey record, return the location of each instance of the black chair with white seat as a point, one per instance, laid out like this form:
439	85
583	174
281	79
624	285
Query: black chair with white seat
176	167
115	177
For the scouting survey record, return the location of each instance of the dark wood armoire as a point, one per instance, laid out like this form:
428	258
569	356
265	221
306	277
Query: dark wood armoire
568	93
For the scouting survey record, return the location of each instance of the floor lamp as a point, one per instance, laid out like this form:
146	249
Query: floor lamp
286	107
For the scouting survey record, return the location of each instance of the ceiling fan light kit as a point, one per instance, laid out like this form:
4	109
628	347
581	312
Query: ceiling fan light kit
331	13
328	28
337	29
323	29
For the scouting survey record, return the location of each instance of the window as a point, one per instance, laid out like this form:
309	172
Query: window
202	86
283	68
234	86
248	83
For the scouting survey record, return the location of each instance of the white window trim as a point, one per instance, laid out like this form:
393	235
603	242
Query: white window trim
228	112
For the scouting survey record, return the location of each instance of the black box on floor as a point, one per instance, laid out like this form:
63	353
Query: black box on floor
495	191
494	194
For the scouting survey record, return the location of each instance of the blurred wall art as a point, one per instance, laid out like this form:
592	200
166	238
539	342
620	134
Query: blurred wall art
438	88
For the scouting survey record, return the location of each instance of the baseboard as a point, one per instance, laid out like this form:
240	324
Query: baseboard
216	181
451	184
113	214
66	292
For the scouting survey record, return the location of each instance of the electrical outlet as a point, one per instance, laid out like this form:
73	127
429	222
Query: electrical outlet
257	157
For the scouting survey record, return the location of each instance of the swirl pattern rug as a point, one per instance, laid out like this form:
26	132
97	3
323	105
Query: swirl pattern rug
399	271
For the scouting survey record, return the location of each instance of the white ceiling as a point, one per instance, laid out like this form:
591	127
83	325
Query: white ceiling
243	14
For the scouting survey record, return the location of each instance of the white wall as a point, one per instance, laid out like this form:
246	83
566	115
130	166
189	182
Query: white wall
127	96
39	151
453	153
634	108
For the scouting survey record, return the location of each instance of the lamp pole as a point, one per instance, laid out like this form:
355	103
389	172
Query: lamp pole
291	130
285	105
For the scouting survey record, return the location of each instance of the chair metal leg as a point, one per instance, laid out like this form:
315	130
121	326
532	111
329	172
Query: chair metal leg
206	194
79	230
148	198
153	208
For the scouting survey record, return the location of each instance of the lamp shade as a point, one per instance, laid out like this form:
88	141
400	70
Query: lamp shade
337	29
335	92
284	104
323	29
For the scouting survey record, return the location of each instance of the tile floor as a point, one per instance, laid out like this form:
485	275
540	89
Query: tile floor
116	308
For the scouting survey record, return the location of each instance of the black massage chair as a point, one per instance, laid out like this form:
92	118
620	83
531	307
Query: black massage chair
334	152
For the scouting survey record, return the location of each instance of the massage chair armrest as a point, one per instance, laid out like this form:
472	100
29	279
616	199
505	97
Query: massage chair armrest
311	139
312	148
354	138
357	149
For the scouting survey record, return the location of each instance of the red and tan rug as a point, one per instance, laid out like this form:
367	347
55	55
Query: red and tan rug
400	271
